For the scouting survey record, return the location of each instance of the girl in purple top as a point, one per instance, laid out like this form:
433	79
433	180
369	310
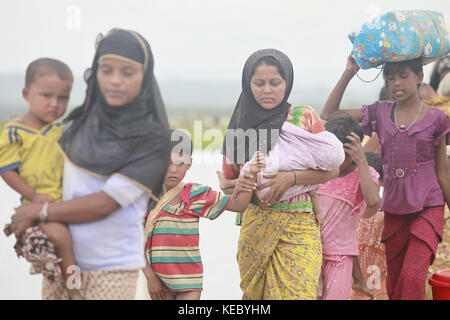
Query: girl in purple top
413	138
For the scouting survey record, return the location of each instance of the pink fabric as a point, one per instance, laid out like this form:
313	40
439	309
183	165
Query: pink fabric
298	149
342	204
410	154
336	277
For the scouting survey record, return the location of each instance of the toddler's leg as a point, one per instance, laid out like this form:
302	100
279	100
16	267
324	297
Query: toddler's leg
188	295
59	236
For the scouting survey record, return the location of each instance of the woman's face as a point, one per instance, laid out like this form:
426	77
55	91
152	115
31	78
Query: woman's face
268	86
120	81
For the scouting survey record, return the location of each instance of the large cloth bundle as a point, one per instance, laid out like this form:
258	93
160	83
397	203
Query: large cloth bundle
399	36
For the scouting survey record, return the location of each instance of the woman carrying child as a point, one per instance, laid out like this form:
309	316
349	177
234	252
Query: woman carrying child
279	249
116	149
413	138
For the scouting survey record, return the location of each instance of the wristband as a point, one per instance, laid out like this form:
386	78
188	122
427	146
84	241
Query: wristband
43	215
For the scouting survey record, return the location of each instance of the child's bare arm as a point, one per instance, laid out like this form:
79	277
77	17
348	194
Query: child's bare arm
442	170
369	188
156	289
226	185
15	181
334	100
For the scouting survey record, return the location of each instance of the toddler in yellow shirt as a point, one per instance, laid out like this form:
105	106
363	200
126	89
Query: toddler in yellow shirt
32	165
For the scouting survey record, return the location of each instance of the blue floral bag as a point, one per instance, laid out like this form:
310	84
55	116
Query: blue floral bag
399	36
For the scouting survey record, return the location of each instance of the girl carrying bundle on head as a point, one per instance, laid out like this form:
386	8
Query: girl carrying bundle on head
413	138
279	249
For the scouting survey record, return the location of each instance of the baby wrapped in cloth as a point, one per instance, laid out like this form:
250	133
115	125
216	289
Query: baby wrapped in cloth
297	149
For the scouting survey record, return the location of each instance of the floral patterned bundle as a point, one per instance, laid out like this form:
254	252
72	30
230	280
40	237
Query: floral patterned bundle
35	247
399	36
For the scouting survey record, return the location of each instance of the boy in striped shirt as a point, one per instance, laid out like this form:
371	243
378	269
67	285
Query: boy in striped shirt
174	269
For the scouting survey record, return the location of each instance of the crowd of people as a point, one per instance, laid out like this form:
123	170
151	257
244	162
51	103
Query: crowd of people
104	196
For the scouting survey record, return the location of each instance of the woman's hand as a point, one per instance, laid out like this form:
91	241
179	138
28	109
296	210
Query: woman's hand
156	289
279	184
25	217
355	150
246	183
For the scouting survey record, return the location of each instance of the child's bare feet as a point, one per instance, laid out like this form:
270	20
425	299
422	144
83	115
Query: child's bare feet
360	286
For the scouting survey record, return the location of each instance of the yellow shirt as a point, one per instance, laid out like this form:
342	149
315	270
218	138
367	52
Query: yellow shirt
34	154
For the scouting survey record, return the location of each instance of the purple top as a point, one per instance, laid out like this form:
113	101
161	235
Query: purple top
410	179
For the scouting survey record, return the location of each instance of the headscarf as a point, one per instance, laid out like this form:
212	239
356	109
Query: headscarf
130	140
248	114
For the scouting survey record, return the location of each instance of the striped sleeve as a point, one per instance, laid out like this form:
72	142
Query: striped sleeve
204	201
10	144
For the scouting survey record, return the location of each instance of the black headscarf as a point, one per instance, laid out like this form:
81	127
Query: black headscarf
248	114
130	140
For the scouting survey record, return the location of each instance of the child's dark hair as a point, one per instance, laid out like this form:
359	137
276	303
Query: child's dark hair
180	141
44	66
270	61
392	68
342	124
374	160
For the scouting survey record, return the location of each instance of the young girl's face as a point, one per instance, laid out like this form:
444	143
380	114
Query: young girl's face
268	86
120	81
404	84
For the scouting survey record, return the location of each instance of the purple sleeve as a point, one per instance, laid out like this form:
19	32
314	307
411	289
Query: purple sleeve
369	119
443	129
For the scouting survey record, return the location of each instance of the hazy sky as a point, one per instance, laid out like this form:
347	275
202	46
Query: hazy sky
196	39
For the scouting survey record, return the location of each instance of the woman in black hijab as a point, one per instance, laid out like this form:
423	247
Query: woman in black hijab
279	250
116	148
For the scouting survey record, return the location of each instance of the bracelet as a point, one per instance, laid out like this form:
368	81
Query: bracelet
295	178
43	215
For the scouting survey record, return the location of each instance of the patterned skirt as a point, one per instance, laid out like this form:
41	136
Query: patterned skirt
279	255
95	285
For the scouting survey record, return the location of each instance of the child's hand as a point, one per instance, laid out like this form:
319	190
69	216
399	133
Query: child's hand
246	183
352	67
42	198
257	163
223	182
355	150
156	289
